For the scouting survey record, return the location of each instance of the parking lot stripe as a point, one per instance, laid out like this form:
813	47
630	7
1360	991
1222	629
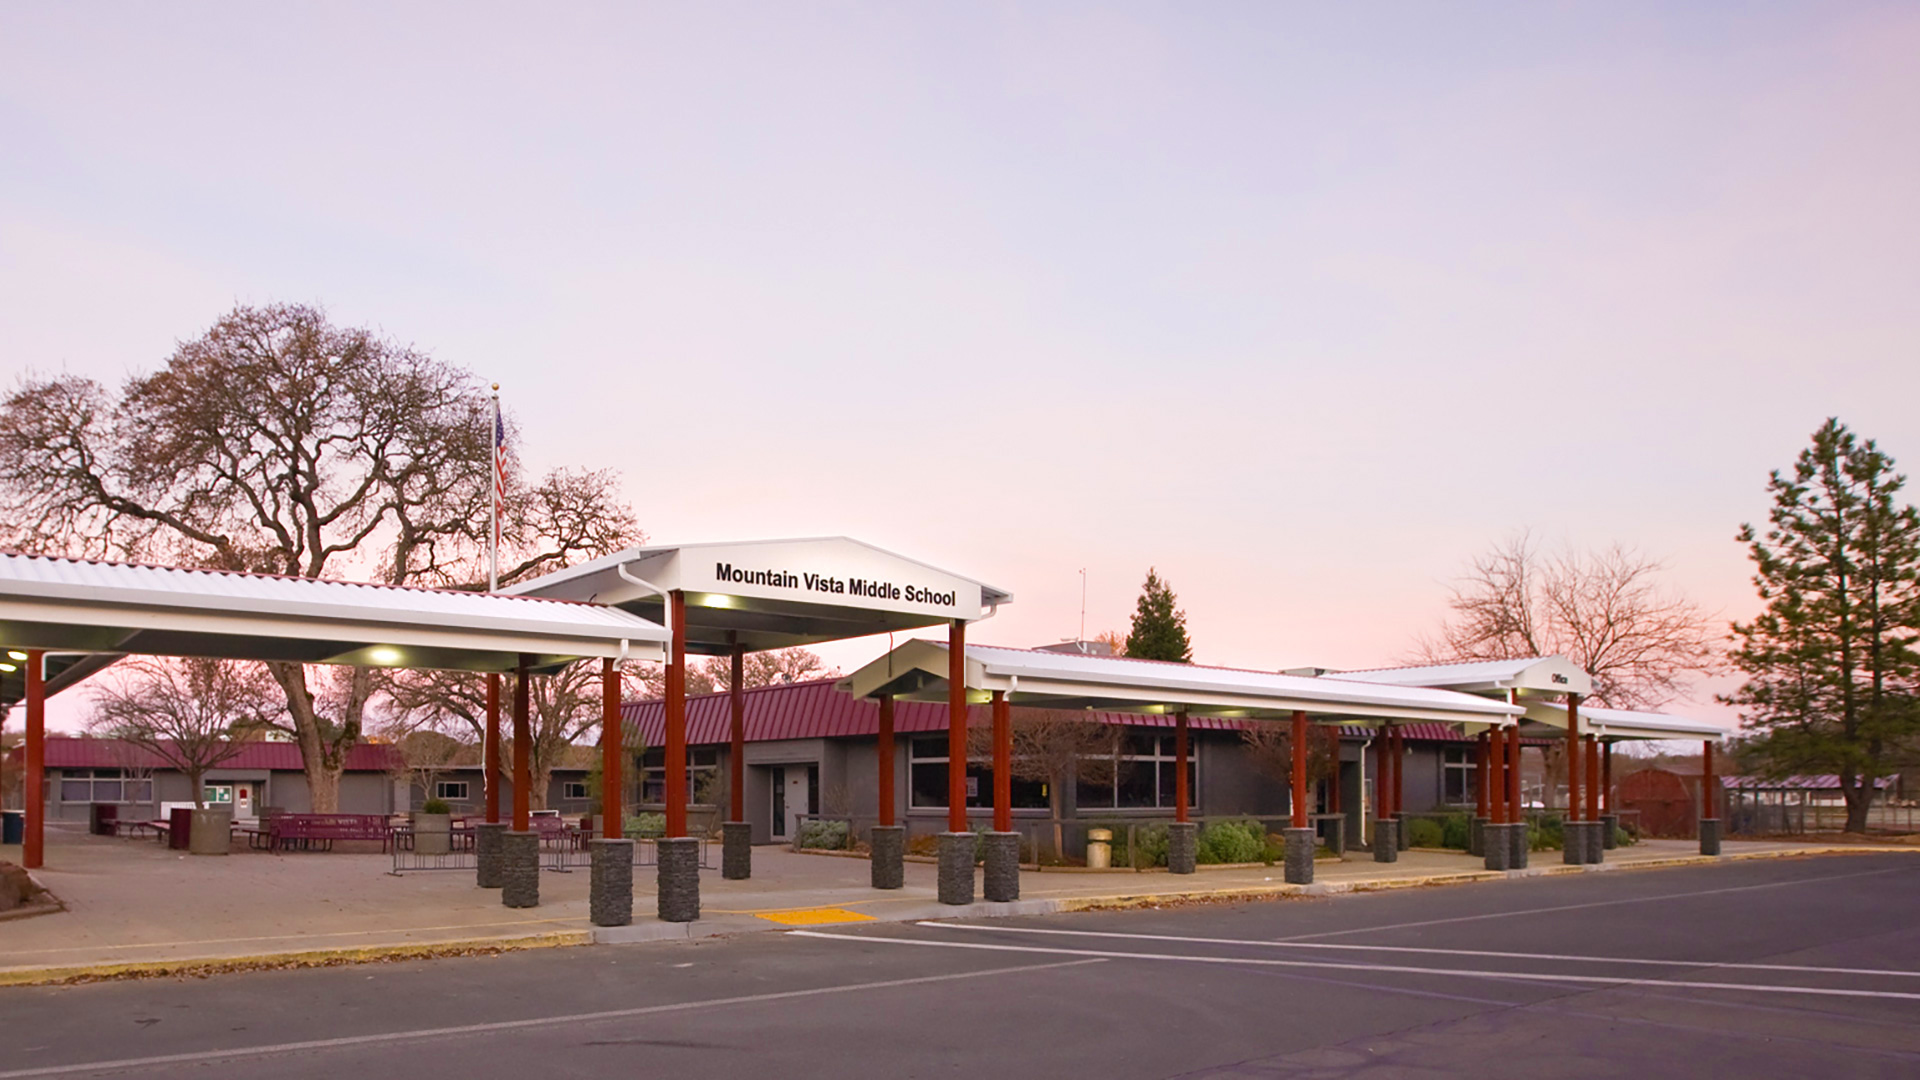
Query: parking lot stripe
1563	957
1390	969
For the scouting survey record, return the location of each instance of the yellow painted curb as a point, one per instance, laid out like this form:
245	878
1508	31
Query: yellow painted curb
200	967
825	916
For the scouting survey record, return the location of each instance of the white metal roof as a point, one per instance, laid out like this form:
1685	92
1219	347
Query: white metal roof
1546	674
1627	723
769	594
918	670
84	605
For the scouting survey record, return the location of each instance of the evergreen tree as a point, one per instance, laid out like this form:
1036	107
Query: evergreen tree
1831	669
1159	628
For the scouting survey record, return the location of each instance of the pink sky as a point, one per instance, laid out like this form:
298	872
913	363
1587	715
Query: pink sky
1303	306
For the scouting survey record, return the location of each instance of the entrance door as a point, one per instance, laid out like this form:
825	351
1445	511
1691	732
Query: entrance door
243	802
795	792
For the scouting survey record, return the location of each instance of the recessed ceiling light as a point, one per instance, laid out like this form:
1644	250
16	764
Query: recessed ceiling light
385	654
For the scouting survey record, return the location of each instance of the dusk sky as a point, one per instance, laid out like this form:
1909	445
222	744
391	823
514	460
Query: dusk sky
1302	304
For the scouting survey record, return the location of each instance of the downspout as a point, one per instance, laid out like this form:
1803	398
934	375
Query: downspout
1366	804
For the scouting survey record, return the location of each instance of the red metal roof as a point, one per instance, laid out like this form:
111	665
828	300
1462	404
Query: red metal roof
815	710
66	752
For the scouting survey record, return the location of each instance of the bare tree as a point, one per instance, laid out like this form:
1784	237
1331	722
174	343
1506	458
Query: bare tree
422	754
1270	749
715	673
191	714
1606	611
281	443
1055	747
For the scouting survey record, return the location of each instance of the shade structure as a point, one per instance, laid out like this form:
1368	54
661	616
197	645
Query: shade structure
917	671
77	605
1628	723
773	594
1528	677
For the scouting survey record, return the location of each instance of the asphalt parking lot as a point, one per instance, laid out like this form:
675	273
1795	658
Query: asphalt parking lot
1779	968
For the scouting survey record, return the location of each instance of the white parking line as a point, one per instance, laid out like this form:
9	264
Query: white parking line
389	1037
1597	904
1392	969
1287	944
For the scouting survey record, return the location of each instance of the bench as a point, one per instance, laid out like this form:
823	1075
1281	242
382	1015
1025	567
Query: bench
304	831
136	829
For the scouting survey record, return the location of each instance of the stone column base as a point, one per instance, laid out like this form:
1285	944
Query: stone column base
1337	835
610	893
1476	835
1400	831
1710	836
736	850
889	844
1573	842
520	869
486	850
1610	828
1300	844
679	878
1002	879
1496	846
1386	840
1183	846
1596	849
956	867
1518	834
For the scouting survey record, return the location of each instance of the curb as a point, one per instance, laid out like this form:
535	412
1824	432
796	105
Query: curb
203	966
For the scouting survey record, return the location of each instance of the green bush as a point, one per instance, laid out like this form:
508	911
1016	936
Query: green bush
1455	831
1622	838
647	826
1149	847
1546	834
435	806
831	835
1232	842
1423	832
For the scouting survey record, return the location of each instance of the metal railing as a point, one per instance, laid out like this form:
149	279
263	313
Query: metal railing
559	853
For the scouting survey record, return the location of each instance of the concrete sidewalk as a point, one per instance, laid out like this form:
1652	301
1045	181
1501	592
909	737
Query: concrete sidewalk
134	907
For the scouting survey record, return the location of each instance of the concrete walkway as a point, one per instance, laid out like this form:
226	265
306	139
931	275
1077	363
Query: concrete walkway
133	906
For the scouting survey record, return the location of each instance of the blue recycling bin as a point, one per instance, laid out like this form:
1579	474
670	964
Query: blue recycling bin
13	826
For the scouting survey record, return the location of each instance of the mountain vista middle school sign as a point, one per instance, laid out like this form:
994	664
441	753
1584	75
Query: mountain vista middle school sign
774	592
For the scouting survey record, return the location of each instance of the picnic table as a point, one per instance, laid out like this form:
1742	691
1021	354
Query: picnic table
158	828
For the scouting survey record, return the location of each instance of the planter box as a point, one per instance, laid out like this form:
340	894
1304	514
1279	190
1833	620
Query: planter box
211	832
432	834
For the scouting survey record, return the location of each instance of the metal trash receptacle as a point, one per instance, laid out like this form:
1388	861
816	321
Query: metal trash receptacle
13	826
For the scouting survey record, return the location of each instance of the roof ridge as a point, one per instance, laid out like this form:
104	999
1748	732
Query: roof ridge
10	553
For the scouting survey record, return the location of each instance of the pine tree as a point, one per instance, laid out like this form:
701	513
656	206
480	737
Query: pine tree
1833	679
1159	628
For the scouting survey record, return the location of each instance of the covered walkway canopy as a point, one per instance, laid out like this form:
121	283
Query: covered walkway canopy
929	670
77	605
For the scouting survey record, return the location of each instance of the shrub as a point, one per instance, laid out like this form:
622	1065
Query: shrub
644	826
1423	832
823	834
1149	847
1455	831
925	844
1232	842
435	806
1622	838
1546	835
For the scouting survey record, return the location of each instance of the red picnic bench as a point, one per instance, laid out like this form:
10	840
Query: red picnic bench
303	831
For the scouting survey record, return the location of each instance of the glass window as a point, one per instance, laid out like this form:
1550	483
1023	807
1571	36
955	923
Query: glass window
76	791
1143	776
927	780
103	785
574	789
450	789
1459	776
703	768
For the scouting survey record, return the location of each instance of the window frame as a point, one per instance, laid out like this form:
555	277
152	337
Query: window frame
1163	760
129	786
443	790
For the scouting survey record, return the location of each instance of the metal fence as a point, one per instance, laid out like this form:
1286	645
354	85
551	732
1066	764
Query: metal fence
1783	813
559	854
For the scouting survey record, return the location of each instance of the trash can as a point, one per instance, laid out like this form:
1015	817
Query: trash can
13	826
1099	849
179	827
102	818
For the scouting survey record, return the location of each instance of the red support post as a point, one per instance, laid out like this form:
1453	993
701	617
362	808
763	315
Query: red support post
886	760
1706	779
737	739
957	726
1593	778
1482	798
1333	783
1399	771
522	750
490	749
612	748
1573	757
1002	763
676	716
1389	784
1298	797
1181	796
1516	813
33	844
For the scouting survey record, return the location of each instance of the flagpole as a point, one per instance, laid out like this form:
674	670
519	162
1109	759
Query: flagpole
493	538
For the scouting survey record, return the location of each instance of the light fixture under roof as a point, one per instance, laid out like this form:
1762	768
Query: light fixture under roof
16	654
384	654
